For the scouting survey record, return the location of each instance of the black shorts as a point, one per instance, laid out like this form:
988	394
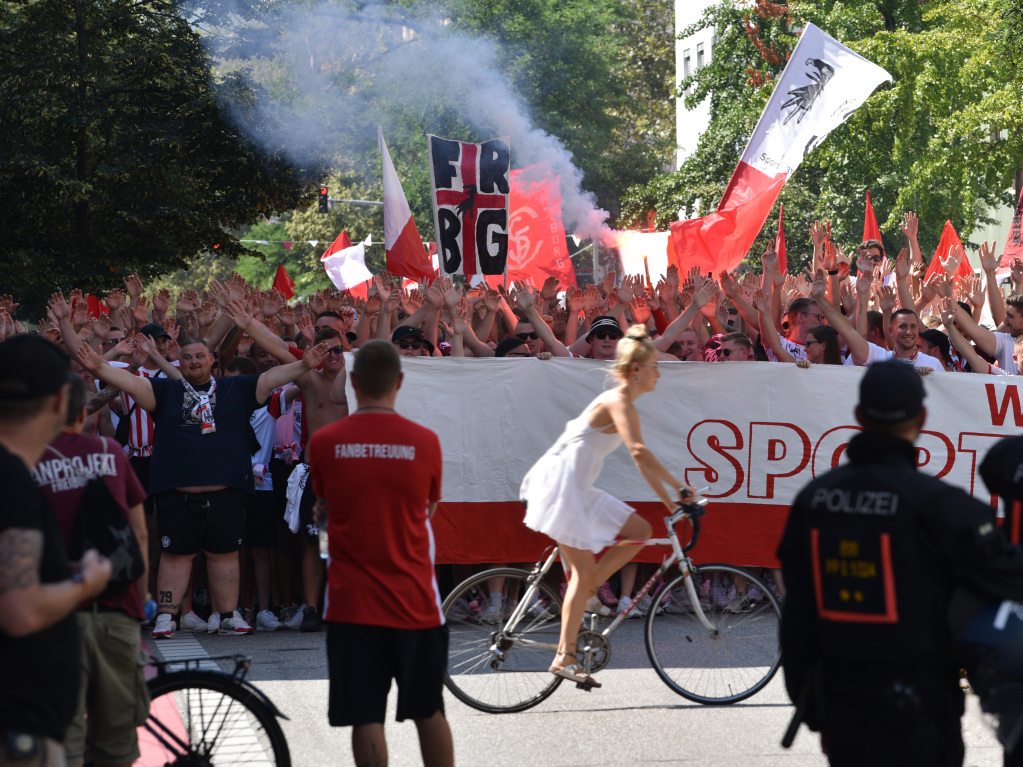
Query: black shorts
362	661
306	521
261	520
140	463
188	523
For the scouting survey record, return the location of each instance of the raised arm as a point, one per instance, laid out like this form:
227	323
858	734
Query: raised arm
701	298
136	387
279	375
767	329
147	345
989	264
910	227
260	334
949	310
858	345
525	297
902	268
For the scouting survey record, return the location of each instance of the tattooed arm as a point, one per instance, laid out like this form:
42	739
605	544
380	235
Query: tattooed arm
101	399
28	606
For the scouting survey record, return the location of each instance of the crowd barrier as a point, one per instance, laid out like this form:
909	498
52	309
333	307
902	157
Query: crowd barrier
755	434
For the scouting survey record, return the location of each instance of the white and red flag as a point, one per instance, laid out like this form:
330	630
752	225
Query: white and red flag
823	84
470	185
1014	242
403	246
346	263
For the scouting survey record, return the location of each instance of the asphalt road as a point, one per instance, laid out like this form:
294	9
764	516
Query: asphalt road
634	719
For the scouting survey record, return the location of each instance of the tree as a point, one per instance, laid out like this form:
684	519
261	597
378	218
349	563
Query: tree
944	140
116	157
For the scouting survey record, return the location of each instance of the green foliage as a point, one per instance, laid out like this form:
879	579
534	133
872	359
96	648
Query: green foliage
944	140
115	156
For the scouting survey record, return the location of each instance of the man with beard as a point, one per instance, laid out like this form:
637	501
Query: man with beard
904	330
201	470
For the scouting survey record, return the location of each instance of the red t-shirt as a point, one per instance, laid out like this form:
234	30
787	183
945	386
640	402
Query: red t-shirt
378	472
64	486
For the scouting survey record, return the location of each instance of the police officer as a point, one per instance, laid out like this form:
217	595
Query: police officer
871	555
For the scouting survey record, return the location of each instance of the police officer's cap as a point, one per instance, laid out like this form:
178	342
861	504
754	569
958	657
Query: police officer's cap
891	392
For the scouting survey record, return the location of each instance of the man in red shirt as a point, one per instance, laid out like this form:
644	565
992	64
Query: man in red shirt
378	476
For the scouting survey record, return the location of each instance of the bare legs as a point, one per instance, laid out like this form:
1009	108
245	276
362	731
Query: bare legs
370	748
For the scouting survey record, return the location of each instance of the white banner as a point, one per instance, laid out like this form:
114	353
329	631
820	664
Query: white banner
822	85
755	433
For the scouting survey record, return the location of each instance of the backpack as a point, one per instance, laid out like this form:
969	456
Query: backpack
102	524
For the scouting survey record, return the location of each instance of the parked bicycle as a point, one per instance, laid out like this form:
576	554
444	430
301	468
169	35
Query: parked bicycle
702	651
203	717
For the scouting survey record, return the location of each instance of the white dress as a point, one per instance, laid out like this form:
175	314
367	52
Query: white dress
558	490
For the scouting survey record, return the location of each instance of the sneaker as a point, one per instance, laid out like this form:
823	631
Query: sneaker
680	603
645	604
192	622
624	604
739	603
460	610
509	607
491	615
607	596
540	613
234	625
291	617
164	626
249	615
213	624
310	620
594	605
754	594
267	621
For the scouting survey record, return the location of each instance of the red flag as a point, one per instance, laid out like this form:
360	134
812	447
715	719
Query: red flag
651	217
283	282
949	241
96	307
779	242
402	243
536	237
1014	242
287	246
871	231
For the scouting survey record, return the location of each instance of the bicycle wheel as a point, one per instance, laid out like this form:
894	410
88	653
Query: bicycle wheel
494	669
726	665
209	719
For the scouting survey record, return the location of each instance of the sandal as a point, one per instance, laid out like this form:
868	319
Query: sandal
575	674
594	605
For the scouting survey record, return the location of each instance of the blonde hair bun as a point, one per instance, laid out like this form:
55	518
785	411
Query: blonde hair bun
635	346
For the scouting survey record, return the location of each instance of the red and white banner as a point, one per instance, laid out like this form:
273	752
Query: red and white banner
755	434
1014	242
536	237
346	263
405	253
822	85
469	186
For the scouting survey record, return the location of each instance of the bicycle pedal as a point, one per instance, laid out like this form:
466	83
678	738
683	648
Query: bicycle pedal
584	686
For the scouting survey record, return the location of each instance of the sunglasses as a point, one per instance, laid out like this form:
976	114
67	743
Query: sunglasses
527	336
113	342
817	316
338	350
410	345
727	352
600	335
518	354
874	259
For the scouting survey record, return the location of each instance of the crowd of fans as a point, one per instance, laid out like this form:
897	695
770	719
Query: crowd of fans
851	309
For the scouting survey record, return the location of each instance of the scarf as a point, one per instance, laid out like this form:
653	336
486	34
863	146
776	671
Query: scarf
203	411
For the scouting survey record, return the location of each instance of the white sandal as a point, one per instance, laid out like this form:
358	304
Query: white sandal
574	673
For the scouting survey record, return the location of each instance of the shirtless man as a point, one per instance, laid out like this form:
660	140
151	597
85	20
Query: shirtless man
318	410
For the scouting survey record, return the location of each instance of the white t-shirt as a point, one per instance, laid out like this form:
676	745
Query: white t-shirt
918	360
796	350
1005	345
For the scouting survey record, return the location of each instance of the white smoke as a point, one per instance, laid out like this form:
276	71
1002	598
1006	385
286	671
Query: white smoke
350	70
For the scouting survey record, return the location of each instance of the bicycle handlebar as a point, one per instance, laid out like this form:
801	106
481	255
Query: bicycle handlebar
691	510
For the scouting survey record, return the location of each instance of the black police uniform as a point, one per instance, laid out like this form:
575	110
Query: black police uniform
871	555
1002	472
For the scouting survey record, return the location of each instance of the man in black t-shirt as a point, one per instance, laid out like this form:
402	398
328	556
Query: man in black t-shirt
201	470
39	651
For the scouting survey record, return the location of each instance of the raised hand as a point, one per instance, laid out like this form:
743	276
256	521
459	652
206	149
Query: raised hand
910	225
101	325
955	256
988	259
59	308
728	284
761	302
640	310
80	313
314	356
863	282
161	301
627	290
947	308
672	277
89	359
237	285
706	294
434	294
944	286
819	287
133	284
886	298
318	303
902	264
305	325
549	290
273	300
1017	272
460	321
608	283
7	304
140	311
818	234
525	296
452	295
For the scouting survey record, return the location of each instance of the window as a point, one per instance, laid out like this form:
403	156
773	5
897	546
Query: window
699	55
685	63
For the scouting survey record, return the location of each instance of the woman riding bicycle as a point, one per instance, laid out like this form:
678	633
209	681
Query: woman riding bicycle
562	503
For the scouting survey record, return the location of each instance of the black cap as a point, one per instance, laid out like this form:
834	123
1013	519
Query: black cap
31	368
509	344
603	322
937	338
891	392
404	331
155	330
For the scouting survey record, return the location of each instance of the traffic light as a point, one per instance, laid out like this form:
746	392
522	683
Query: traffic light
323	199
